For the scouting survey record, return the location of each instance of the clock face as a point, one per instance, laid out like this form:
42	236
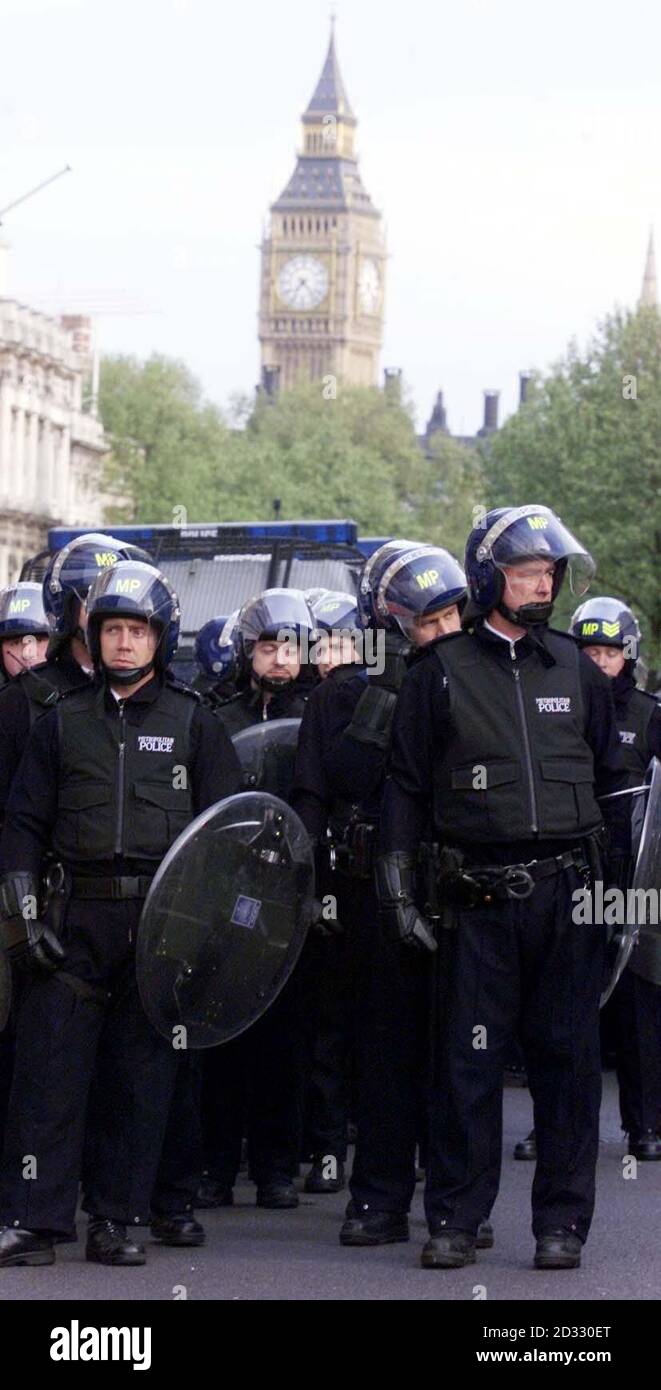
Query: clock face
369	287
303	282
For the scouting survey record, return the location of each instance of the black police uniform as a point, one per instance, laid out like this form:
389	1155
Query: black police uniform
509	744
22	701
635	1005
254	1084
96	787
374	992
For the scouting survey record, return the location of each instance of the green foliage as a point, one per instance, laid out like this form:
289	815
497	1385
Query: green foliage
167	444
353	455
588	443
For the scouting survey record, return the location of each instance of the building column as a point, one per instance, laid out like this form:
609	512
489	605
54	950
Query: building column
17	464
5	445
32	459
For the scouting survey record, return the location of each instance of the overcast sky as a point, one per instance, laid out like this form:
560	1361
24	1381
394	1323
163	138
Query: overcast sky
513	149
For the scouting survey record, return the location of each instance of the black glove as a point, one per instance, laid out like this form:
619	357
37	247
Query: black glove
30	945
403	922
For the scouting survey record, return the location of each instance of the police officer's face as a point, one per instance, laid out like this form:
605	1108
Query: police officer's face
429	626
610	660
277	660
19	653
127	643
334	649
529	581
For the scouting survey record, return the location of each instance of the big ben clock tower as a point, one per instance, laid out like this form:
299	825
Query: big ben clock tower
323	259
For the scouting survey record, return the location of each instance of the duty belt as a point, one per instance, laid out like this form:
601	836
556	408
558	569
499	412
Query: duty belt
355	853
115	888
474	885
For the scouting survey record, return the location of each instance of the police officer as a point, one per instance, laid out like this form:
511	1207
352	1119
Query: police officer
506	734
70	573
56	610
24	633
24	629
338	627
273	671
97	789
254	1085
215	654
609	633
408	595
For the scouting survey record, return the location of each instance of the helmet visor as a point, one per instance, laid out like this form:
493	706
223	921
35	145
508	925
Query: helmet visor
526	539
419	583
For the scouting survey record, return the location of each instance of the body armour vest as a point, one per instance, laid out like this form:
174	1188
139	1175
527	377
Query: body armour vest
633	726
516	764
124	789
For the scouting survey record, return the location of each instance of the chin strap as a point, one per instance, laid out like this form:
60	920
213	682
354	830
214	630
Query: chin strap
123	677
272	684
528	615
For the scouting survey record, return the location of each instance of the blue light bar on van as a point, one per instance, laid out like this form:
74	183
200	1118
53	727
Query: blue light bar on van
330	532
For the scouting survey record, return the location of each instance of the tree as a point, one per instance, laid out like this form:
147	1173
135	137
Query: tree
167	443
350	453
455	480
588	443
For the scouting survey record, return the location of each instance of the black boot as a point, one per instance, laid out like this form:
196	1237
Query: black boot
19	1247
108	1244
178	1230
527	1148
320	1180
278	1195
645	1145
558	1250
362	1226
449	1250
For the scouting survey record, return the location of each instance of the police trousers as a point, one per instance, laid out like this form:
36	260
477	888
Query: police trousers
59	1036
391	1030
517	969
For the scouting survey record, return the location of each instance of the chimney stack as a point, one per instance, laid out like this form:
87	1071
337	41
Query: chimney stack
525	379
490	412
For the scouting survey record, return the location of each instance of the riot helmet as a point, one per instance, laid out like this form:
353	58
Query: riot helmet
416	584
370	577
131	589
216	648
71	573
507	538
278	615
22	614
338	625
607	622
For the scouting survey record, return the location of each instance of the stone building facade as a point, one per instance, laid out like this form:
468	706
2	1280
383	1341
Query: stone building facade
51	445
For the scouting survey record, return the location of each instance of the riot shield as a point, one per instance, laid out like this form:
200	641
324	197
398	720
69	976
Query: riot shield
225	920
267	753
5	990
645	959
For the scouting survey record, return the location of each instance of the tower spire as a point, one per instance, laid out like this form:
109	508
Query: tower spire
648	293
329	97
